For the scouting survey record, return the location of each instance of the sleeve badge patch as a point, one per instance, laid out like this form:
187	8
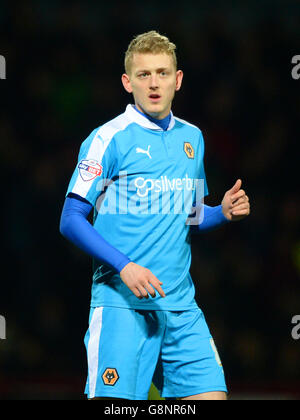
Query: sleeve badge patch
89	169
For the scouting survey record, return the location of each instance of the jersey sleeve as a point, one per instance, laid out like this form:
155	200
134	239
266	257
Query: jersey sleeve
97	165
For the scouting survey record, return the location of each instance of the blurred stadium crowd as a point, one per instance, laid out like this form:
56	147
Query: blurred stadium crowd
64	63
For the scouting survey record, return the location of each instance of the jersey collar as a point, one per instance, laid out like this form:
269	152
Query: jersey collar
139	119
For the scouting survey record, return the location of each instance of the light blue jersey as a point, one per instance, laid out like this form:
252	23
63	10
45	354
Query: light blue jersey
142	182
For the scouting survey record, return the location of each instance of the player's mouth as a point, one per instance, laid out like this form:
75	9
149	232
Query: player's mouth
154	97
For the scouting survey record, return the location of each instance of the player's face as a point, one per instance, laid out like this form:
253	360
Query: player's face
153	81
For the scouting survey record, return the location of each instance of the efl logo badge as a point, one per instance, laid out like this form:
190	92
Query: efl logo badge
89	169
110	376
189	150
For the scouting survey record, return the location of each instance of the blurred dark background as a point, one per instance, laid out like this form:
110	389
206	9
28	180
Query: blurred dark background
64	62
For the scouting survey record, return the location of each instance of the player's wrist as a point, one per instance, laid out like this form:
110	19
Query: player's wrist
222	214
123	264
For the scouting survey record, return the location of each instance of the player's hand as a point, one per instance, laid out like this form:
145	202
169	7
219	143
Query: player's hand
140	281
235	204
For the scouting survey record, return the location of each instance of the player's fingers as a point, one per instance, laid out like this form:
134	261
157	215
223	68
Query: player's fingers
241	206
150	290
241	210
157	284
240	200
137	293
143	292
160	291
236	186
237	195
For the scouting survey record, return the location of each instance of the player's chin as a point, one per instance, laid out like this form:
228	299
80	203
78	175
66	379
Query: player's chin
155	105
154	110
160	108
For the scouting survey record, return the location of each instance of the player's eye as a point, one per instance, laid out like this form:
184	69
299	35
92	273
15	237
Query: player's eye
143	75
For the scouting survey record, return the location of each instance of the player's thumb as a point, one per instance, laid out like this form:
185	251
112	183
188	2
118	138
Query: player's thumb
236	186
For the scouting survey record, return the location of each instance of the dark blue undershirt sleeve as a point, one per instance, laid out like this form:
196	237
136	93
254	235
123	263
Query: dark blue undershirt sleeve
213	218
75	227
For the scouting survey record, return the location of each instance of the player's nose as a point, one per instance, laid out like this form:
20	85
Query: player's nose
153	82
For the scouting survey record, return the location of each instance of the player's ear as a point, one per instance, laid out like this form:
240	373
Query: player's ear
126	83
179	77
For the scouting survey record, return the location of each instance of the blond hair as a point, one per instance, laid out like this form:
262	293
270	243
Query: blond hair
149	42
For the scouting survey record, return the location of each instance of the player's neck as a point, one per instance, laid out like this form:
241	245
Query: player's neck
163	124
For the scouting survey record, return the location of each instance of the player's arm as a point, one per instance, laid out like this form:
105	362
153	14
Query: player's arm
75	227
235	206
211	218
